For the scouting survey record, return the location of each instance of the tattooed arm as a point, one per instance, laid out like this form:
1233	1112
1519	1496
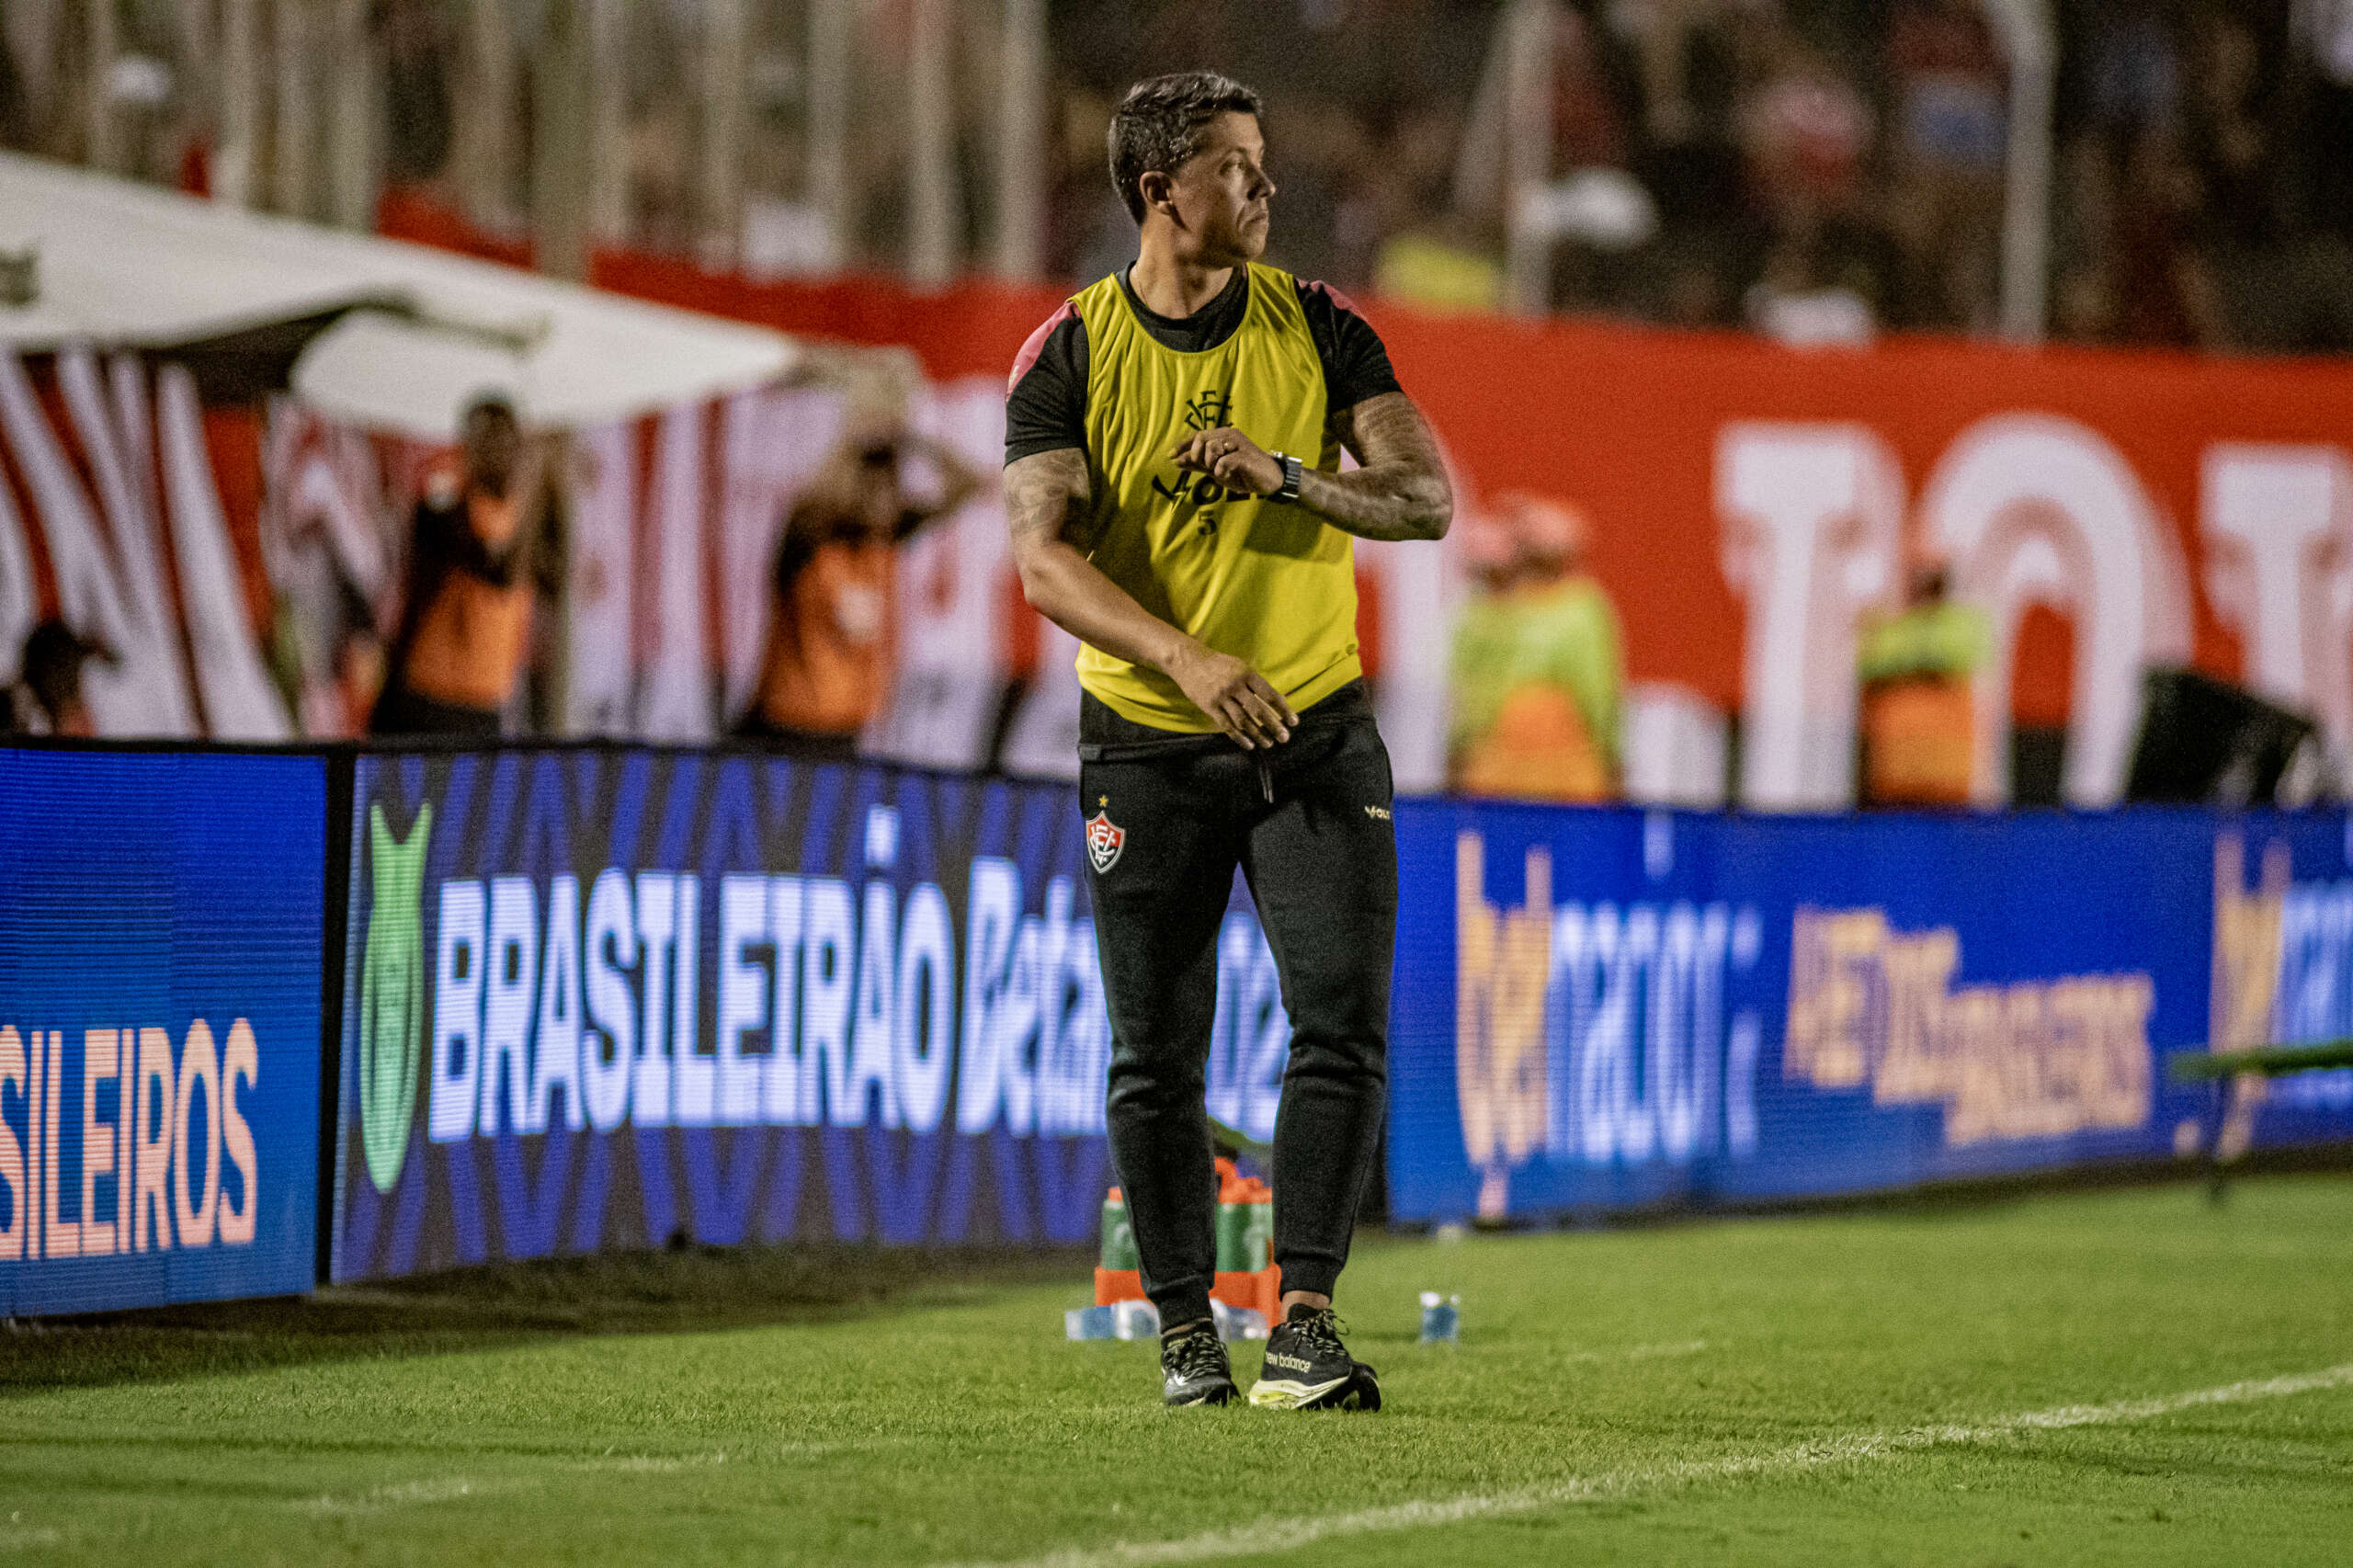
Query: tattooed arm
1045	498
1400	492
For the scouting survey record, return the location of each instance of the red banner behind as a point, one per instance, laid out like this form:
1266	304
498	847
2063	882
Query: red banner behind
1644	431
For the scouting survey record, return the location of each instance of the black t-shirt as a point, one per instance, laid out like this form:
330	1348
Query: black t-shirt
1046	411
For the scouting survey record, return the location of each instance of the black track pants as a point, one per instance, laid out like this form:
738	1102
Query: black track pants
1308	824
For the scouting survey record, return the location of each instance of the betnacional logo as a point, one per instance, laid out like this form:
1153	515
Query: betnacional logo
392	995
1872	1007
164	1160
1599	1034
1503	966
2283	975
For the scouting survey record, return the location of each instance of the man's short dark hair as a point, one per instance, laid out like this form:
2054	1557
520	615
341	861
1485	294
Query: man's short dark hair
1159	125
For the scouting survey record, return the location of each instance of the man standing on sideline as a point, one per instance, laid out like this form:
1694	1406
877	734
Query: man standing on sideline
1538	671
1918	670
1173	484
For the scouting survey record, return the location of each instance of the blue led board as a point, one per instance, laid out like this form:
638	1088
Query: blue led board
610	998
160	949
1601	1010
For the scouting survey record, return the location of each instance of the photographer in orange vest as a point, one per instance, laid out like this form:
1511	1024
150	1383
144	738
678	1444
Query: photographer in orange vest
479	553
833	612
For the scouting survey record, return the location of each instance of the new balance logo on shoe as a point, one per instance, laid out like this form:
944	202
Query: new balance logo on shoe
1308	1368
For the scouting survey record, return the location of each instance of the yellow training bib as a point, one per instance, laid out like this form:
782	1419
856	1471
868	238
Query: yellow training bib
1272	584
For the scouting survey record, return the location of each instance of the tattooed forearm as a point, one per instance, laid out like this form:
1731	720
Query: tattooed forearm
1402	490
1045	505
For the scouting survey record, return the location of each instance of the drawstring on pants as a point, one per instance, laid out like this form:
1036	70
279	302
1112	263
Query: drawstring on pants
1265	780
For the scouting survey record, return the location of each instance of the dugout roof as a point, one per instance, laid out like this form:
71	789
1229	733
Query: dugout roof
376	332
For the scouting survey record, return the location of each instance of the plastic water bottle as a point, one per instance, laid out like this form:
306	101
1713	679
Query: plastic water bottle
1089	1323
1135	1320
1441	1318
1237	1322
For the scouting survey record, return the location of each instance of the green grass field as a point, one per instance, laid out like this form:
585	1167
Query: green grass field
2126	1377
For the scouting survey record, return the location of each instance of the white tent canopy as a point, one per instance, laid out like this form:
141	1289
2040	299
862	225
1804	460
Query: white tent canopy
121	265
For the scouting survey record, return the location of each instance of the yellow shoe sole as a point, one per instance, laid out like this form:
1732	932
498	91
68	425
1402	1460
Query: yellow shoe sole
1286	1394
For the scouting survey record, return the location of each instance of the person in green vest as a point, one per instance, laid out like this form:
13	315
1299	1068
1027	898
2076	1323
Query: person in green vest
1919	721
1537	666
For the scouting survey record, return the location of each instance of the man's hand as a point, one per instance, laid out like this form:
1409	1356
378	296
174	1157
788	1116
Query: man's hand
1231	458
1045	498
1237	698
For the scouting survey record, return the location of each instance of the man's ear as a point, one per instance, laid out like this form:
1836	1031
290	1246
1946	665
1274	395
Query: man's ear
1159	192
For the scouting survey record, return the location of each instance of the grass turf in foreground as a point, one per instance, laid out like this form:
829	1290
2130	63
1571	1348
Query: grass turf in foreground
1704	1388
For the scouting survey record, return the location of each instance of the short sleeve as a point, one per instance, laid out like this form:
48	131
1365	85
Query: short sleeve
1355	362
1045	404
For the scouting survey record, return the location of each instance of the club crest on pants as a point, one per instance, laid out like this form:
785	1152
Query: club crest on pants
1105	839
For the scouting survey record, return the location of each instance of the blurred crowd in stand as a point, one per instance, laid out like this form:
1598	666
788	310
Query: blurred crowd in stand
1819	171
1814	169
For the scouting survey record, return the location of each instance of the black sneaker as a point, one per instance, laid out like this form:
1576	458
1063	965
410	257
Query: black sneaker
1194	1367
1307	1368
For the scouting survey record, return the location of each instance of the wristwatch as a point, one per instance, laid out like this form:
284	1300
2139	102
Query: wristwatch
1293	471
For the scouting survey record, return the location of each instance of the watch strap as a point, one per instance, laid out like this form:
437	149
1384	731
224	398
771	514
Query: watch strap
1294	475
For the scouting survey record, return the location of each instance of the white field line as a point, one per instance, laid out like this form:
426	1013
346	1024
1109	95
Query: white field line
404	1494
654	1464
1639	1352
1274	1535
